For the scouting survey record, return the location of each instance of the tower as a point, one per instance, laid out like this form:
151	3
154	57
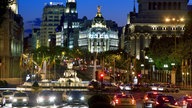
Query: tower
14	6
71	8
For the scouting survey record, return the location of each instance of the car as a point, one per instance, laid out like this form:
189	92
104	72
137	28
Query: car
94	85
165	101
126	87
149	99
46	97
154	87
185	101
75	97
107	86
124	99
20	98
1	100
7	96
168	88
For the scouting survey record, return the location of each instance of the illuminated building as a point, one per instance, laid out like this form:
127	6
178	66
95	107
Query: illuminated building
51	17
11	42
67	32
98	38
36	36
152	21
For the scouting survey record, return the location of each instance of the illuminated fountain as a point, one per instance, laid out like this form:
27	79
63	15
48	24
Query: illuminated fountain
70	77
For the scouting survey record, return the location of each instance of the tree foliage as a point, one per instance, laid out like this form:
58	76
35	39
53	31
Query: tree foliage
163	51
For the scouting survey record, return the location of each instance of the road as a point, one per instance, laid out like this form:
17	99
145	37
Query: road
138	96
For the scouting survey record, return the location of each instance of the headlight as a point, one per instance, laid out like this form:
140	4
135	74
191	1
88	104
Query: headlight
11	97
82	98
70	98
14	100
52	98
24	100
40	99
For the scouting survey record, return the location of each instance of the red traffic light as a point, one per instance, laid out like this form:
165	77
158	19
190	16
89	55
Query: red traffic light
139	75
101	77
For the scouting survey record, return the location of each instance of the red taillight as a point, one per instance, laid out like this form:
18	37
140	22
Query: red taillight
146	98
133	101
157	103
176	103
116	101
184	103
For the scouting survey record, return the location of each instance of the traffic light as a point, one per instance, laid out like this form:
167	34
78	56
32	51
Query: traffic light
139	75
101	77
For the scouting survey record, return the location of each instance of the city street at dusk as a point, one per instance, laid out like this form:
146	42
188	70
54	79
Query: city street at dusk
96	53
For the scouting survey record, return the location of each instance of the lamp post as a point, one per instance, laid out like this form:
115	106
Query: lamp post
114	69
0	69
143	70
175	22
166	72
151	72
172	76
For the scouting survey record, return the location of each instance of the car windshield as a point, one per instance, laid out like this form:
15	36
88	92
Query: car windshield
124	96
166	99
75	93
20	95
152	95
46	93
7	93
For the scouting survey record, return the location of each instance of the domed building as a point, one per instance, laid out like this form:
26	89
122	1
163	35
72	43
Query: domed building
98	38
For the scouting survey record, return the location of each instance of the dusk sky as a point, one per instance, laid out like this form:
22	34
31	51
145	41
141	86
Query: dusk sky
116	10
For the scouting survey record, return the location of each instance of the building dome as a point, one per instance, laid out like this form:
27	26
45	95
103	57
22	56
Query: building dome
98	20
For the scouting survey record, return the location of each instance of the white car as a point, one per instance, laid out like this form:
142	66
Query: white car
122	99
127	87
7	96
75	97
46	97
1	100
20	98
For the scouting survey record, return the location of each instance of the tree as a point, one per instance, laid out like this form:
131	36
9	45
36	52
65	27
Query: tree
163	51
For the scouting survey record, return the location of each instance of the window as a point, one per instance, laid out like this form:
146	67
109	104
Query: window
154	5
174	5
150	5
179	6
159	6
164	5
169	6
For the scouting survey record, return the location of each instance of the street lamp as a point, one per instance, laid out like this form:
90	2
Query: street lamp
175	22
172	76
166	72
0	68
151	72
143	70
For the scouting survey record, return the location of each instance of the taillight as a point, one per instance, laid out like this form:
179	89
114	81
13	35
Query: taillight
157	103
176	103
184	103
116	101
133	101
146	98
